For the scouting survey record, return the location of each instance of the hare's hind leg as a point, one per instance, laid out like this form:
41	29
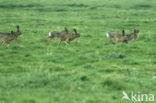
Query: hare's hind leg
112	41
67	43
8	42
1	43
5	42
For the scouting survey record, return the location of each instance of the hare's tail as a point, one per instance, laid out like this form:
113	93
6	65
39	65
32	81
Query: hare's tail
107	35
50	34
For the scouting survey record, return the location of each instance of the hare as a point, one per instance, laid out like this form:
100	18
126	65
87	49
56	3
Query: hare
56	34
133	36
115	37
7	37
69	37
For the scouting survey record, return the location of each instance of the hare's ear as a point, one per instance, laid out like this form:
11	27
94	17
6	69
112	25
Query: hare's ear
12	32
66	29
123	31
75	30
17	26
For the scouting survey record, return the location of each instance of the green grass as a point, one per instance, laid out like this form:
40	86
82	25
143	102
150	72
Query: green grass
90	70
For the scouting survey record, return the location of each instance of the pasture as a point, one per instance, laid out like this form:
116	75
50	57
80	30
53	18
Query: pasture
90	69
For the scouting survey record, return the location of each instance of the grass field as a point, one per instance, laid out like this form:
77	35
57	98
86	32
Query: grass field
90	69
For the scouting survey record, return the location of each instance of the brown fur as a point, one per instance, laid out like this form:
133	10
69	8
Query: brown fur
57	34
7	37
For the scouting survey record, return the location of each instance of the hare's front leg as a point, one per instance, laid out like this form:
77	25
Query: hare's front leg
111	40
60	42
67	42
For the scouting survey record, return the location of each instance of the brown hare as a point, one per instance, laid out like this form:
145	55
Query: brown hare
116	37
4	36
69	37
7	37
57	34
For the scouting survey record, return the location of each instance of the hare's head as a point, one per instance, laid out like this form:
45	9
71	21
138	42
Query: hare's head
136	31
76	34
18	31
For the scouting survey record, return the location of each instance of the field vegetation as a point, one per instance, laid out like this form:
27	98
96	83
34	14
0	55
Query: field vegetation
90	69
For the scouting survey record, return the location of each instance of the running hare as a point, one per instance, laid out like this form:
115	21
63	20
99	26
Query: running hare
69	37
13	35
57	34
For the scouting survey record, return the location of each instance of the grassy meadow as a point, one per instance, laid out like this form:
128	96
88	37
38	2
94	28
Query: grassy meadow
90	69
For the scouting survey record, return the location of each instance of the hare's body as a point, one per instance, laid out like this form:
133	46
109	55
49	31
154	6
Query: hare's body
115	37
4	35
56	34
7	37
111	34
69	37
